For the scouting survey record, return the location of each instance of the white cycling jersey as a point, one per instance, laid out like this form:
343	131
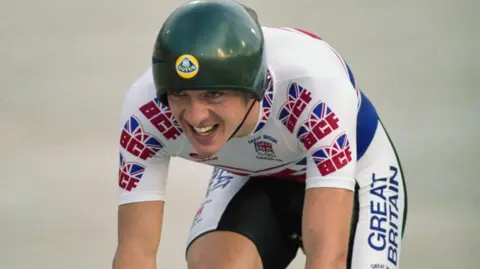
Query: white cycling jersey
314	125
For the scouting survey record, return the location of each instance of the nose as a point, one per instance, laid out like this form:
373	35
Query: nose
197	113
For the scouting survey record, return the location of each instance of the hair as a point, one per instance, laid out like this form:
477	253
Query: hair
247	97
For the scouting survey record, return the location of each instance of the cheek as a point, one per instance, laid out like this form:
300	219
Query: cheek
175	108
231	111
232	116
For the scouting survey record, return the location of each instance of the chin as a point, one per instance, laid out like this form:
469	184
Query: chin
206	152
208	149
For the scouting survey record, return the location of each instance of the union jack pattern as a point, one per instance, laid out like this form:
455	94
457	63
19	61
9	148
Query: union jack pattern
331	158
130	174
266	104
297	100
168	112
137	142
321	122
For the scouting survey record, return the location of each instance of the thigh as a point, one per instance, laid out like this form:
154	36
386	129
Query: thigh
248	211
382	202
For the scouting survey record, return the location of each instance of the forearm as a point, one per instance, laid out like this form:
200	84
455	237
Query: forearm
139	231
321	254
133	258
326	228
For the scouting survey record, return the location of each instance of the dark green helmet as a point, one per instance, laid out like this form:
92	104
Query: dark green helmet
210	45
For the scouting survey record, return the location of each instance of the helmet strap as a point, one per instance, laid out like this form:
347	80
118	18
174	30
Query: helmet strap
243	121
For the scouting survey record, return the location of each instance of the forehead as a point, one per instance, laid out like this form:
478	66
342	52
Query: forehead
203	92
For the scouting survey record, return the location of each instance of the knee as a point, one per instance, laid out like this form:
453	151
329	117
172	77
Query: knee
223	251
199	261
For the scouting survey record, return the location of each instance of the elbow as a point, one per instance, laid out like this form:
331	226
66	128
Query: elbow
325	258
131	257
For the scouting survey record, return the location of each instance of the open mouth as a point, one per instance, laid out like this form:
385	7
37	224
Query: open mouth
204	131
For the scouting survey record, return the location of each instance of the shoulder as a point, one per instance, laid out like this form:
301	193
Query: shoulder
306	69
312	84
147	126
296	53
140	92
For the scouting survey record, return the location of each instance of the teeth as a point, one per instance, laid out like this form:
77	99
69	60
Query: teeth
203	130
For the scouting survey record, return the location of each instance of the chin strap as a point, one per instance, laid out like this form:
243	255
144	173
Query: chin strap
243	121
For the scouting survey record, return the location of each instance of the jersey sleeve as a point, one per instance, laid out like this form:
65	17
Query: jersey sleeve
326	131
143	166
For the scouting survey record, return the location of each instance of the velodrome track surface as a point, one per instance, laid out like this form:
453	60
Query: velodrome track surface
65	66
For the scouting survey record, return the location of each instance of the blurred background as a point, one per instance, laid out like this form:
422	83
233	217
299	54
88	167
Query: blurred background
65	66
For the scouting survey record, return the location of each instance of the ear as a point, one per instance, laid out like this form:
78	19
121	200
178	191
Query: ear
247	97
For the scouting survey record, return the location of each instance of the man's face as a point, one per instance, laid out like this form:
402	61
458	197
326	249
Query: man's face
208	118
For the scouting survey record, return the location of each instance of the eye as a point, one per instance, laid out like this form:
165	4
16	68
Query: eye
177	94
214	94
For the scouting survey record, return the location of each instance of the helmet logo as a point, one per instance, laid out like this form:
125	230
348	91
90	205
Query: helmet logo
187	66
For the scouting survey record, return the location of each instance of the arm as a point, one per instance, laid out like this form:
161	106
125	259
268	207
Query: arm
326	227
142	179
328	136
139	230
